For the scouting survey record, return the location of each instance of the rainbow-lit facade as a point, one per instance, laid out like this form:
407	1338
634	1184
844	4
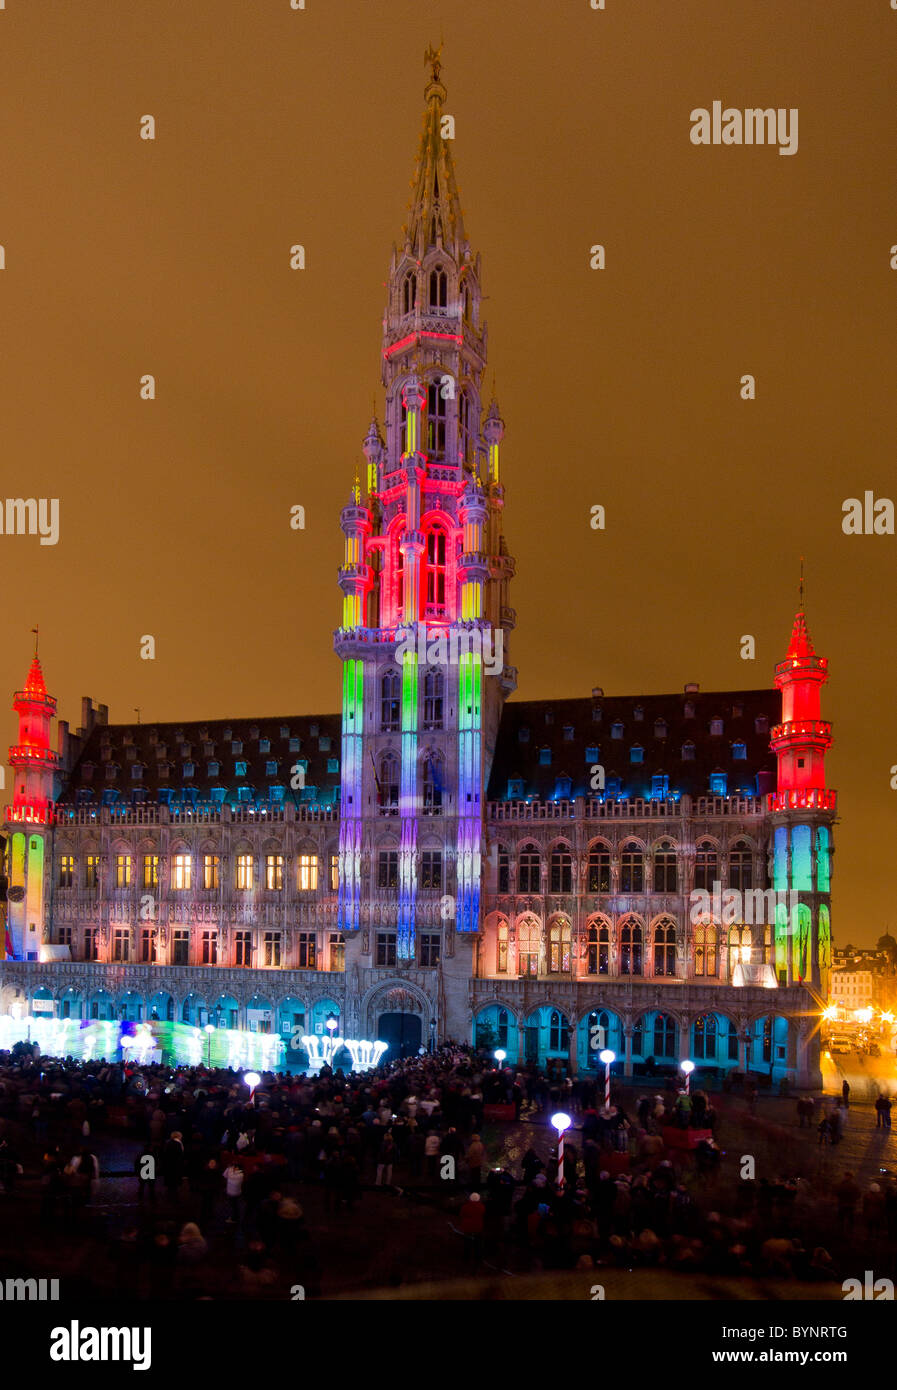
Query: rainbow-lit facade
450	863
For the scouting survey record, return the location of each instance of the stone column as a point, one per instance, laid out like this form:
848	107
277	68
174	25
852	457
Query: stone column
627	1049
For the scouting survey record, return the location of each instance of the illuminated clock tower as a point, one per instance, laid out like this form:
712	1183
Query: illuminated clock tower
803	811
426	616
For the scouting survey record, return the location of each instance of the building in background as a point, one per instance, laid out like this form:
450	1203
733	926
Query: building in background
650	873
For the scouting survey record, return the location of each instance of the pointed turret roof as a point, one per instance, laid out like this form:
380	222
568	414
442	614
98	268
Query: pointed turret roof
435	187
801	644
34	685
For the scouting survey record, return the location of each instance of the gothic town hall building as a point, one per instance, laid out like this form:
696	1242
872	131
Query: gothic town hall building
648	873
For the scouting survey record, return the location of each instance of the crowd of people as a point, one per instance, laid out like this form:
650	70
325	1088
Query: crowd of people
209	1157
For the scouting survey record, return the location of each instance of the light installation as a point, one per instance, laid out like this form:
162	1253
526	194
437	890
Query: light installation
175	1044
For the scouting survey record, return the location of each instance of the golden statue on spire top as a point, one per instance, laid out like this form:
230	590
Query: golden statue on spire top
433	56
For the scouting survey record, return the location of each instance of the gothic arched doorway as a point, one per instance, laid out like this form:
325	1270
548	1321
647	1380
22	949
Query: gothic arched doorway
402	1032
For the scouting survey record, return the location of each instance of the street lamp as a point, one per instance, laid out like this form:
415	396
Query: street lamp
688	1068
607	1057
500	1055
210	1028
251	1079
561	1123
332	1025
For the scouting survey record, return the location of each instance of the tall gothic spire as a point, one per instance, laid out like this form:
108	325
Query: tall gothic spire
434	217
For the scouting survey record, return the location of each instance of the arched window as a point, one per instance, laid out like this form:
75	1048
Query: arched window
599	869
528	949
435	602
561	870
558	1032
403	427
559	948
390	702
598	949
502	1027
409	293
632	870
705	1037
665	947
741	866
706	961
630	948
529	870
434	776
434	694
465	296
438	287
436	418
740	944
501	963
388	791
665	867
706	866
598	1034
664	1036
504	870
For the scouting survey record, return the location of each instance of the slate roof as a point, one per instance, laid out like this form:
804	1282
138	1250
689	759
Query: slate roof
565	732
571	731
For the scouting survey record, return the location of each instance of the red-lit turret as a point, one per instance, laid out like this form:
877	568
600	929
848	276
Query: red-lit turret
802	739
32	759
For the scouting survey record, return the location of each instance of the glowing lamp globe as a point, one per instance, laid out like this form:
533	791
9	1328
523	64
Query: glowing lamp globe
210	1027
251	1079
561	1121
687	1067
500	1055
607	1056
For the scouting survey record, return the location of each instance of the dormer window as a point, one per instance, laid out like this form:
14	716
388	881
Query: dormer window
549	716
186	750
562	788
737	710
660	786
313	730
254	731
515	789
214	768
638	712
523	734
227	734
332	765
660	728
688	752
111	772
739	750
761	724
718	784
596	714
187	769
295	744
240	768
264	745
438	288
271	767
137	772
688	711
545	757
716	728
636	753
616	730
87	772
163	770
569	732
236	745
593	753
161	751
284	731
130	753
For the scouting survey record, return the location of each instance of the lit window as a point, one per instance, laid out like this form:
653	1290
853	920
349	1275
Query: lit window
123	871
210	867
66	870
240	769
150	870
244	872
334	873
91	871
182	871
739	750
274	872
308	873
636	753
